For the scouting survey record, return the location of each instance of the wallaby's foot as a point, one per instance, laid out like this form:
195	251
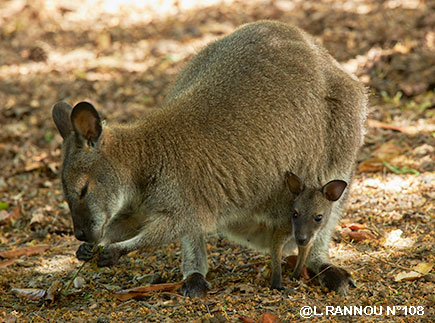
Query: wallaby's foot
109	256
195	286
296	274
276	283
277	287
335	278
85	252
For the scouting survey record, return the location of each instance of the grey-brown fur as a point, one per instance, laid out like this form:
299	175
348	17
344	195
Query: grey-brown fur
265	100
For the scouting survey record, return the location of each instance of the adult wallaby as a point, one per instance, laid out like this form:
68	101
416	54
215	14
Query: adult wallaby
262	101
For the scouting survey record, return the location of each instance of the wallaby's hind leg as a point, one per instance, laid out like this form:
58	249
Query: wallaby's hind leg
330	276
194	266
276	256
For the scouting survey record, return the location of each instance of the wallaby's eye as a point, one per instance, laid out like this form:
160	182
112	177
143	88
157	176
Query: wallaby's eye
318	217
84	190
295	215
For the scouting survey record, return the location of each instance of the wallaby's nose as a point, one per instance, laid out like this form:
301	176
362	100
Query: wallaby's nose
302	241
80	234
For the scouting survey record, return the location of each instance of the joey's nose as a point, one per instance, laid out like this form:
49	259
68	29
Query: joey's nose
302	241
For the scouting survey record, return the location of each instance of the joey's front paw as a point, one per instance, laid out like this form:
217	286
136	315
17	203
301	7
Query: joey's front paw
85	252
335	278
109	256
195	286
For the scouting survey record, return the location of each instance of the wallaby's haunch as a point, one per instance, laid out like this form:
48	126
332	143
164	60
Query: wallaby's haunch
259	103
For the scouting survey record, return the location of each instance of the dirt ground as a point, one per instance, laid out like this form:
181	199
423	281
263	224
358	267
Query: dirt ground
122	56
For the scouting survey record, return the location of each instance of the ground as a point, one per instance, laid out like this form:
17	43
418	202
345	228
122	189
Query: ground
122	56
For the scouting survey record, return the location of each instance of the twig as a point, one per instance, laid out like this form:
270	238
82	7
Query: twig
208	310
73	277
96	250
247	265
322	271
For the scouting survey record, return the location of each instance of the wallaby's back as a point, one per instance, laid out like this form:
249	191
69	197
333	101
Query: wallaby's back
257	103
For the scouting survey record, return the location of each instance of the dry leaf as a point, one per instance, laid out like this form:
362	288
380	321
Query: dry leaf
26	251
244	288
246	319
269	318
382	125
354	226
418	271
292	260
53	291
358	236
31	294
37	216
10	217
11	318
141	291
370	165
8	262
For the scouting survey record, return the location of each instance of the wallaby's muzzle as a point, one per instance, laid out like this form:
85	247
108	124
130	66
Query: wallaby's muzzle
83	227
80	235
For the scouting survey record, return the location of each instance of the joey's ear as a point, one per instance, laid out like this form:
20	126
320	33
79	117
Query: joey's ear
334	189
86	122
61	117
294	183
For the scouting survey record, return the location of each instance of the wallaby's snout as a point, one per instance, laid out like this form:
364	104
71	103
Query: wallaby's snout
80	234
83	229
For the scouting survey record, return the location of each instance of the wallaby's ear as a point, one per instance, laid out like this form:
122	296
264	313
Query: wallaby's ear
61	116
294	183
333	190
86	122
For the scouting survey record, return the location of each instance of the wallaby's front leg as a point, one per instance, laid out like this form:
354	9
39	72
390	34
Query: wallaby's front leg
194	266
303	252
330	276
124	228
162	230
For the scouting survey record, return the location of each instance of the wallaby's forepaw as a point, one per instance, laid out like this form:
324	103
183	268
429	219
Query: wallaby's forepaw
195	286
335	278
85	252
109	256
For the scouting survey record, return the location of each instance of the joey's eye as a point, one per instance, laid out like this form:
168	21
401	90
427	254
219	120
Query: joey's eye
318	217
84	190
295	214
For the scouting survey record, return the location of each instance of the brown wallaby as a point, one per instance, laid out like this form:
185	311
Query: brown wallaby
262	101
312	210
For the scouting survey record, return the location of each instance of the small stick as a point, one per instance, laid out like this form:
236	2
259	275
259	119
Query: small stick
96	250
73	277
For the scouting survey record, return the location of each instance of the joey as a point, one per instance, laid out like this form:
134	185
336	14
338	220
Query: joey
246	109
311	212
